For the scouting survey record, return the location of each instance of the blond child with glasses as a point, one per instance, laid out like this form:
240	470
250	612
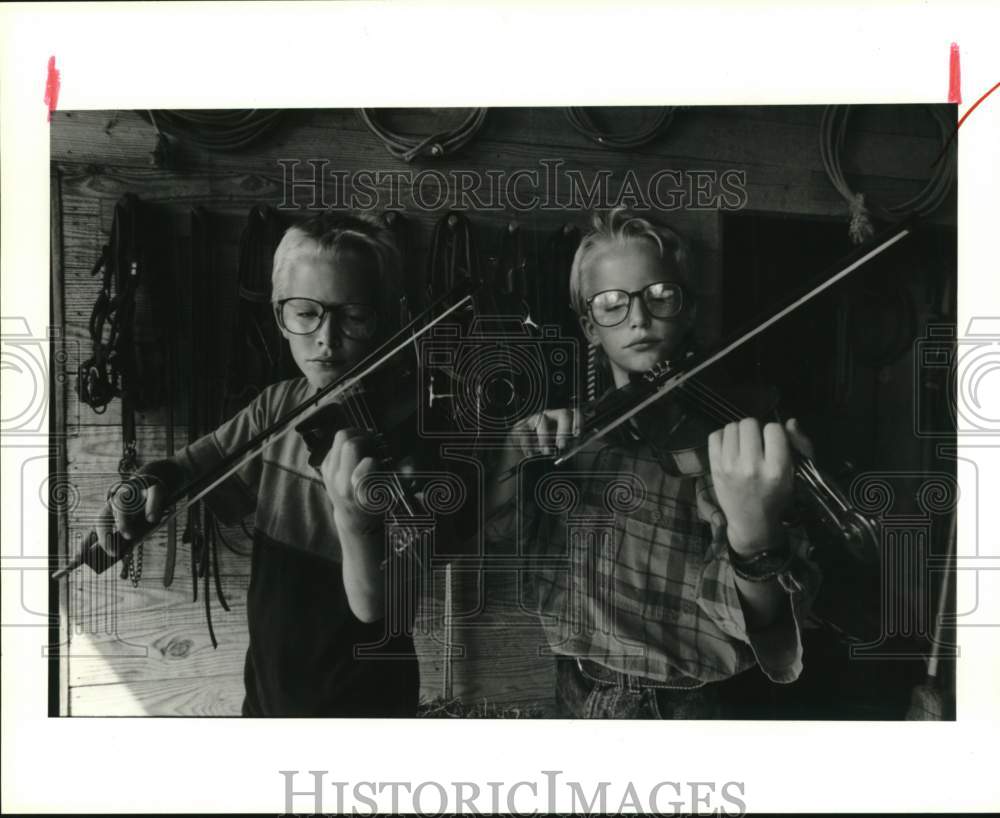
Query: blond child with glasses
317	598
665	574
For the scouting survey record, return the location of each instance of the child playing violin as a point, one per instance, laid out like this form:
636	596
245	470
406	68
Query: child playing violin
681	574
317	583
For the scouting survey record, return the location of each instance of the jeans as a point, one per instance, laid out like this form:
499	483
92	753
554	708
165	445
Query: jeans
579	697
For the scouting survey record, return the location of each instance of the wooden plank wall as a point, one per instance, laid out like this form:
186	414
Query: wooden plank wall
146	650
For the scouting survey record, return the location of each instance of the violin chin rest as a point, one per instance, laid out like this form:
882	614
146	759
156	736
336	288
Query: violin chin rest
318	431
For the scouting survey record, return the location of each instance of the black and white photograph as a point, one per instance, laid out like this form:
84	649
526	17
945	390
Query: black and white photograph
390	419
516	412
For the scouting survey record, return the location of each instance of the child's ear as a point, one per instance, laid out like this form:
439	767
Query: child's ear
589	330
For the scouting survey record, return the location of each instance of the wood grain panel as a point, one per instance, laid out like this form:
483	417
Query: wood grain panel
220	695
775	188
697	134
173	650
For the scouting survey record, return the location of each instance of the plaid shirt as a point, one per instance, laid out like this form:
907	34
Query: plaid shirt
630	563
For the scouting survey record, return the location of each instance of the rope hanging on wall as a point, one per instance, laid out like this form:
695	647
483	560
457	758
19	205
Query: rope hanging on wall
215	130
832	135
434	146
584	124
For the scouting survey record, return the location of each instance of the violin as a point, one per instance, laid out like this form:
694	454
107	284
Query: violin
619	408
683	420
336	405
386	405
685	380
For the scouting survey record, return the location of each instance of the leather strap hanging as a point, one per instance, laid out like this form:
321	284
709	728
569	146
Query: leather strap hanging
512	265
259	356
130	320
453	255
410	300
131	333
204	409
556	309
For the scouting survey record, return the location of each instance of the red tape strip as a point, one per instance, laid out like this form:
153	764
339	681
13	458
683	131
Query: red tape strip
52	87
955	76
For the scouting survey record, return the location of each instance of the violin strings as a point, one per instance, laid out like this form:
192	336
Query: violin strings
805	468
712	402
709	403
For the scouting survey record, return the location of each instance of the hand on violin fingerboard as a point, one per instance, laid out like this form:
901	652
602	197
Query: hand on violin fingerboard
546	433
752	473
350	459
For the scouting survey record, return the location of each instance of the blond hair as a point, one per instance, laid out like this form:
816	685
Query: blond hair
336	236
620	226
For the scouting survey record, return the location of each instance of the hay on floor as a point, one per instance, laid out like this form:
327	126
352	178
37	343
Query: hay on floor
441	708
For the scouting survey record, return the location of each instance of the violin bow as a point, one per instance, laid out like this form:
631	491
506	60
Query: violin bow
664	380
457	298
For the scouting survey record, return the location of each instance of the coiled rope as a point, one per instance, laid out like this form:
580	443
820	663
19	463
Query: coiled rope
832	135
434	146
583	123
215	130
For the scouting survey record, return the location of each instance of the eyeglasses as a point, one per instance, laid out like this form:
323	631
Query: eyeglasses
663	299
303	316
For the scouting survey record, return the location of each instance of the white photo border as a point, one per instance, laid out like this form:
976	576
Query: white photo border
289	55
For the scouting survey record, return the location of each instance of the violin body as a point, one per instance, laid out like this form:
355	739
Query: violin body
466	379
678	422
384	404
459	384
459	304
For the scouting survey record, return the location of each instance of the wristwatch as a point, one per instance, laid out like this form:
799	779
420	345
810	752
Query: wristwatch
762	566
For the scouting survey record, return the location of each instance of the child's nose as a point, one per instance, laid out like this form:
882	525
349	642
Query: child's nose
328	333
638	315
